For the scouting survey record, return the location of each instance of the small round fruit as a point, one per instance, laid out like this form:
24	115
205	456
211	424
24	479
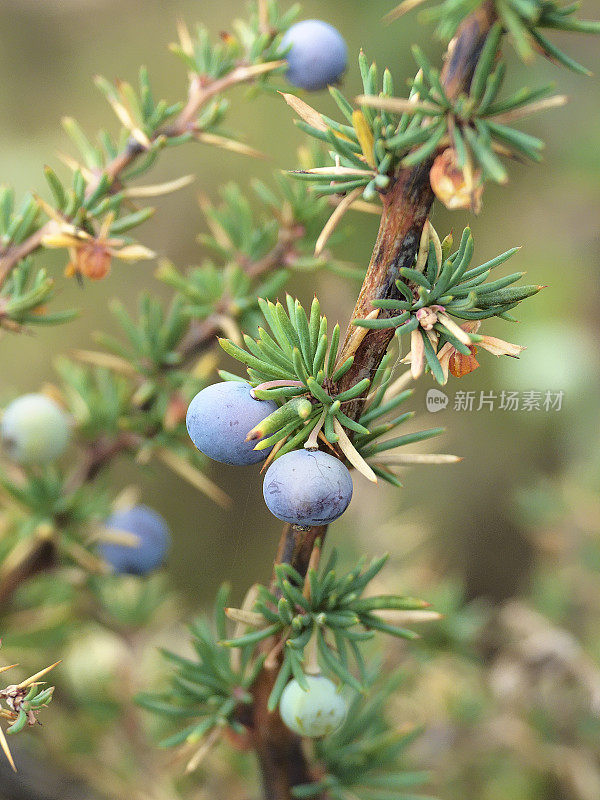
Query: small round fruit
219	419
154	541
317	56
307	487
93	664
35	429
315	712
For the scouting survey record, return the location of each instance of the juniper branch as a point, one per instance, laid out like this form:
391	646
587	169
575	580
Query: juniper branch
201	92
407	204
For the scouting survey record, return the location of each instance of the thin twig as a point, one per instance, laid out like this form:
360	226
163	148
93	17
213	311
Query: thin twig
200	93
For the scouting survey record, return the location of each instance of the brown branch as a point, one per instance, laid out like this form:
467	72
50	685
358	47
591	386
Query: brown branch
39	559
406	207
279	751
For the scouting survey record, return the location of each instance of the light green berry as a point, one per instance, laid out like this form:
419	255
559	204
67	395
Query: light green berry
315	712
35	429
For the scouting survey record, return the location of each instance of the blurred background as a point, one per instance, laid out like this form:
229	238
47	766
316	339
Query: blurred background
518	517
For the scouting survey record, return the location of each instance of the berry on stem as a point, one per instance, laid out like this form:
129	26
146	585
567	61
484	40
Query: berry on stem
35	429
317	56
154	541
219	419
313	712
307	487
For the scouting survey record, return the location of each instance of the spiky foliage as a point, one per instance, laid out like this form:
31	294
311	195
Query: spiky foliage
366	758
388	132
23	299
295	364
42	507
224	294
140	387
260	239
89	213
209	688
522	19
327	609
379	415
24	293
16	224
23	702
477	124
441	286
253	41
297	367
367	149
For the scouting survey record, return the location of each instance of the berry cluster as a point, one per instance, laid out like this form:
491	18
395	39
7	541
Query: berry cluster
302	487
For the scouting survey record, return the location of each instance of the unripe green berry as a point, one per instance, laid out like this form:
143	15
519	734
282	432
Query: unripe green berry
315	712
35	429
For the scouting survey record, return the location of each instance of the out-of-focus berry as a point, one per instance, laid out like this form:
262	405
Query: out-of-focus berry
154	539
315	712
317	56
35	429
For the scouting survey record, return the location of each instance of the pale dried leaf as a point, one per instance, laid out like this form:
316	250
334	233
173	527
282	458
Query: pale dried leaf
423	249
127	498
35	678
399	105
117	536
159	189
335	219
454	329
407	617
194	476
406	459
417	354
401	9
555	101
134	252
245	617
396	387
60	240
203	750
75	166
352	454
228	144
106	360
433	236
354	339
229	327
304	111
85	559
368	208
259	69
185	40
6	750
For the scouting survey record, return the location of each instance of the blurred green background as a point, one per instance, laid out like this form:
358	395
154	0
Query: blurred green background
49	52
